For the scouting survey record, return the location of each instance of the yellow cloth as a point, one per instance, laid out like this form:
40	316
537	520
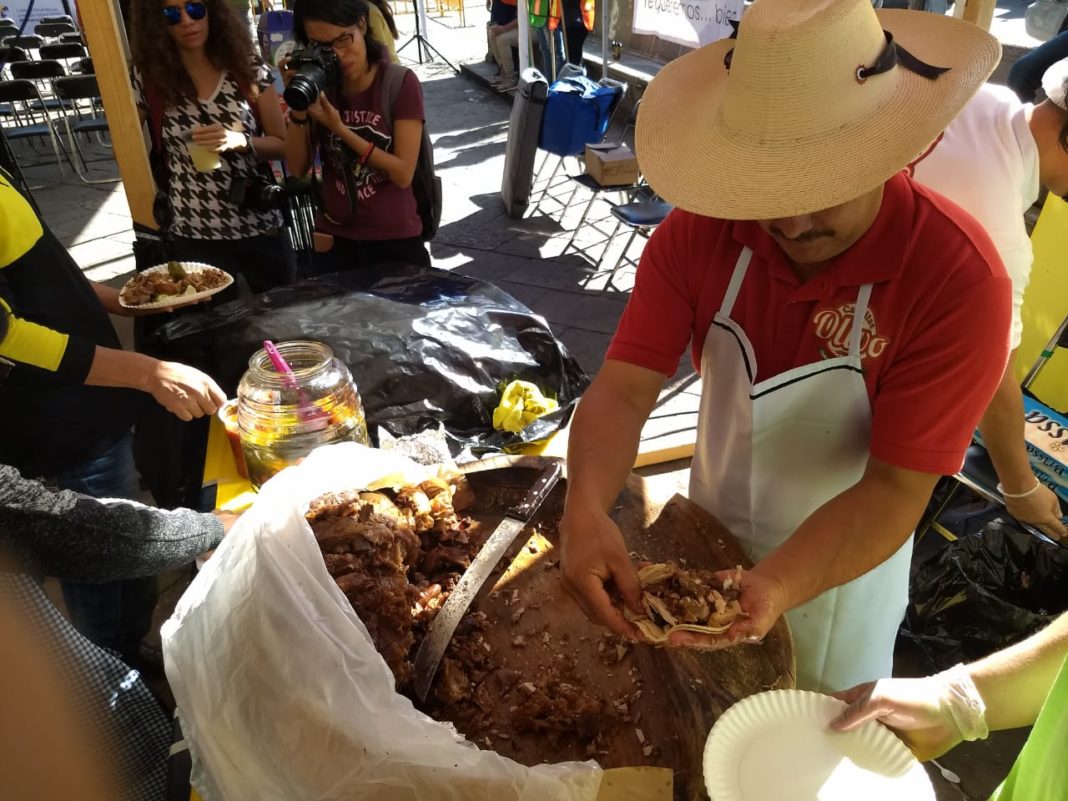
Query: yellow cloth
521	404
1046	305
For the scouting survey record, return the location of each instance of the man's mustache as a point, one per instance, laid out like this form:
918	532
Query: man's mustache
808	236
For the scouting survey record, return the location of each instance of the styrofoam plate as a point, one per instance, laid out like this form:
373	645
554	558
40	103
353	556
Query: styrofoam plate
181	300
776	746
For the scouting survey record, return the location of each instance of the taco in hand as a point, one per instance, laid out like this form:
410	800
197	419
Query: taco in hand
675	599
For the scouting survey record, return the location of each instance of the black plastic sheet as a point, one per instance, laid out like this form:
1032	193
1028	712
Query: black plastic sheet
994	586
424	346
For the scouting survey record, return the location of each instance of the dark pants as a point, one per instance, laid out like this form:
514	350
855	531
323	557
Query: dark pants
1025	77
350	254
115	614
576	38
264	261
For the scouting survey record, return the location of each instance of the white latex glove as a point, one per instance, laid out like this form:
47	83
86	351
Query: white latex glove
931	715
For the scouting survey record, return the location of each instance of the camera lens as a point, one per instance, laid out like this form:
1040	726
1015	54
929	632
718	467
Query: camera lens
304	87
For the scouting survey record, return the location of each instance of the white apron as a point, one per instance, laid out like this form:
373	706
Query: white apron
771	453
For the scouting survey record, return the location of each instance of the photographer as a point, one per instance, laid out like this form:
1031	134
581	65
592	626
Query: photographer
214	118
340	107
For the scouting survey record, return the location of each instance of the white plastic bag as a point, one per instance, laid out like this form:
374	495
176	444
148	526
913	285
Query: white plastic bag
280	690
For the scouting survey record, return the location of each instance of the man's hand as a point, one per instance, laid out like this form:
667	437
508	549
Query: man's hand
217	138
1041	509
763	600
227	518
592	553
184	391
911	708
496	30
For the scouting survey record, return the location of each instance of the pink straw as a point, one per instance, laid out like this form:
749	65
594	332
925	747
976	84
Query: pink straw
306	410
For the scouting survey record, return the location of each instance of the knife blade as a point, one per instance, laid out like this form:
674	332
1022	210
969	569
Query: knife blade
437	638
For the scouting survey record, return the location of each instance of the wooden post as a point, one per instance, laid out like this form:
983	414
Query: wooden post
979	12
102	25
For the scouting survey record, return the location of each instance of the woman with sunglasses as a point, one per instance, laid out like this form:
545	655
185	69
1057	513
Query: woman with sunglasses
368	163
215	121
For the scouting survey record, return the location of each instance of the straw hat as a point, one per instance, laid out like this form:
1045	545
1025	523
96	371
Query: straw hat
791	127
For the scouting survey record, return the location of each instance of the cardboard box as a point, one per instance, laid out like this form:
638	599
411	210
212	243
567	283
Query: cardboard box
611	164
276	35
1046	432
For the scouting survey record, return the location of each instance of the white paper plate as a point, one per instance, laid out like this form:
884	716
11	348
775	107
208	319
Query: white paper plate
189	267
775	746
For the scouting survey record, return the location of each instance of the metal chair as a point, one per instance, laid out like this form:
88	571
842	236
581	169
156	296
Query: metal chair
9	55
64	51
83	66
42	73
28	43
72	38
641	215
29	121
84	117
53	30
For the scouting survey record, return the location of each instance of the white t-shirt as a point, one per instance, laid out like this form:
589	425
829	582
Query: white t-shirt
987	163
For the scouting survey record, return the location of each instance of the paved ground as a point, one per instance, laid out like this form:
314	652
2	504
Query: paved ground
468	124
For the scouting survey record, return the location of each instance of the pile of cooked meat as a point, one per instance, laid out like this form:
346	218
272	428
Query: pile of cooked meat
396	555
152	287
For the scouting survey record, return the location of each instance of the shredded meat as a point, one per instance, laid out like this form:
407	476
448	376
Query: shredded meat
150	287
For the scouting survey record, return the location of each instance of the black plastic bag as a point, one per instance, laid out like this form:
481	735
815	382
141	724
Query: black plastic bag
994	586
424	346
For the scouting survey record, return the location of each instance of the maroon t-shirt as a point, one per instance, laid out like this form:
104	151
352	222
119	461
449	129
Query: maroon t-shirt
383	210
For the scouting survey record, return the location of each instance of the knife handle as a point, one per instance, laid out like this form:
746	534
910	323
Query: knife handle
534	497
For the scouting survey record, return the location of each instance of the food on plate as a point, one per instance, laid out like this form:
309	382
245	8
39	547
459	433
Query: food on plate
154	286
676	599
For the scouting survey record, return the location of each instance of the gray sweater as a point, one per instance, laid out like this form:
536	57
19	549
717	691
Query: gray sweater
73	536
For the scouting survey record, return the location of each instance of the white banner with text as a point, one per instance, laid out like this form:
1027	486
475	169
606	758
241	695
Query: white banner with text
686	22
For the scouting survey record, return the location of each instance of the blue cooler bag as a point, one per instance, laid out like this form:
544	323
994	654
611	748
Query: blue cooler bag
576	113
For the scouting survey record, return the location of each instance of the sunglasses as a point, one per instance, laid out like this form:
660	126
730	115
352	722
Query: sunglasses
195	11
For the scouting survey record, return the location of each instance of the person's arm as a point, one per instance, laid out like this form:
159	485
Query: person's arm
927	713
1002	428
271	145
497	30
602	446
76	537
182	390
843	539
407	138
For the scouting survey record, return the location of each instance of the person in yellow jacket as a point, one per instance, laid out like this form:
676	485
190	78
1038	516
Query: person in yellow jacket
1023	685
69	395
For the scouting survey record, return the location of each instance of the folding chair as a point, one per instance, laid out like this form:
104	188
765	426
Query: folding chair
28	119
641	215
72	38
597	191
9	55
27	43
67	18
83	66
977	473
42	73
53	30
67	54
82	118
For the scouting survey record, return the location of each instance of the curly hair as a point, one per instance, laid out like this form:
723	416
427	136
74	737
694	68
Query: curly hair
342	13
155	54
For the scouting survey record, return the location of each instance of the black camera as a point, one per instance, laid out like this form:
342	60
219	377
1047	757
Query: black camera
253	193
316	67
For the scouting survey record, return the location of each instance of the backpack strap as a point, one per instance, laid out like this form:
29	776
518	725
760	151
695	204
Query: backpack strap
393	76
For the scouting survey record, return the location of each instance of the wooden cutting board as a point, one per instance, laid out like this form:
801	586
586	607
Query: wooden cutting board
682	692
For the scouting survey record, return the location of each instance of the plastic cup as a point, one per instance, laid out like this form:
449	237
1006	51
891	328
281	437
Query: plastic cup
204	160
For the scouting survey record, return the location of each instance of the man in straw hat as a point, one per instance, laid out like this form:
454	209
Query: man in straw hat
991	161
835	308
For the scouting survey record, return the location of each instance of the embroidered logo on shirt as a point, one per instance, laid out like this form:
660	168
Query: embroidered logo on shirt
833	327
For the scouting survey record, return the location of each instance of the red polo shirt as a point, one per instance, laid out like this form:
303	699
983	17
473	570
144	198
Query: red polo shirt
935	337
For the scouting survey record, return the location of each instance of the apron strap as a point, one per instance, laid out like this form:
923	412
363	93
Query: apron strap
860	311
740	268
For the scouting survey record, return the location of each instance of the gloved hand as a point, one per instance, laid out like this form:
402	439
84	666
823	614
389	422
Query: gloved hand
931	715
521	404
